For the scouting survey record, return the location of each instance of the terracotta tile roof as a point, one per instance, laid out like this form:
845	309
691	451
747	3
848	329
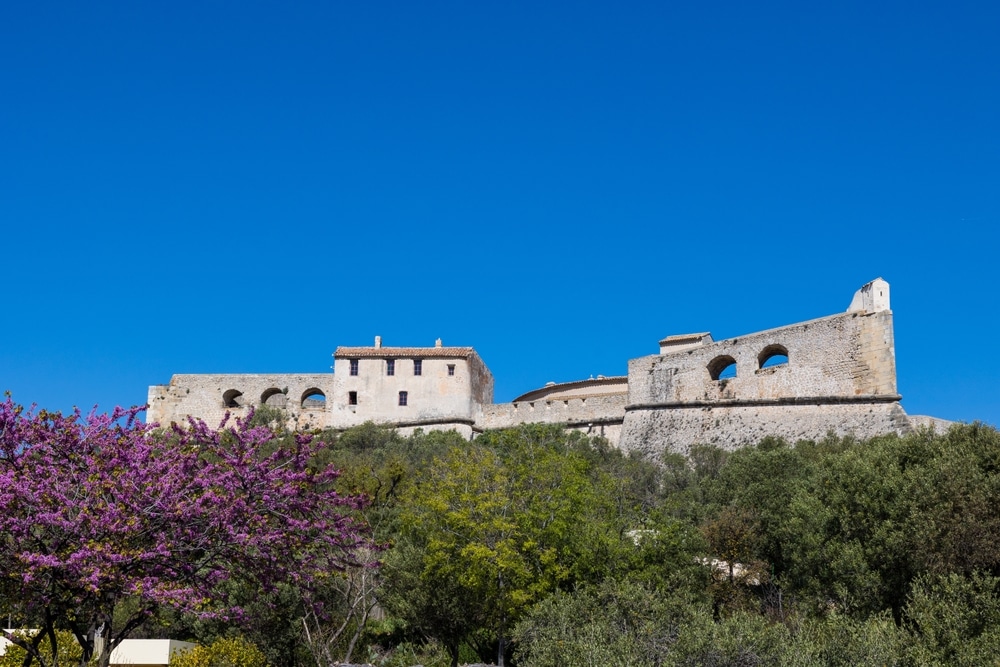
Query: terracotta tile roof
397	352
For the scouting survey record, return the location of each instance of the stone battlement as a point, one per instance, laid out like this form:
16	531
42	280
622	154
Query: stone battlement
835	374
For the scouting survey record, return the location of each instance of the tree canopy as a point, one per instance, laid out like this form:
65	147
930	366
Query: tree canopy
101	509
534	545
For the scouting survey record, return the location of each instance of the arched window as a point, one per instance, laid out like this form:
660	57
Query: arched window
722	368
232	399
772	355
313	399
274	398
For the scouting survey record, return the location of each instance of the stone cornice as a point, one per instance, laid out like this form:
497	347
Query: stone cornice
762	402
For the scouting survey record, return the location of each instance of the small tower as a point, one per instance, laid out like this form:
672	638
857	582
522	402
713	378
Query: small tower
873	297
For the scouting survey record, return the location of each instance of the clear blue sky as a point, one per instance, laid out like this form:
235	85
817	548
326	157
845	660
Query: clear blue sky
241	187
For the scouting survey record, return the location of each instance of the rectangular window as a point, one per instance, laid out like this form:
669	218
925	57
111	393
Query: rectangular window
354	366
451	369
418	366
352	398
390	366
402	398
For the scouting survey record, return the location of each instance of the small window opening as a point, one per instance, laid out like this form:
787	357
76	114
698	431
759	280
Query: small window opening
418	366
352	398
354	366
772	355
313	399
451	369
274	398
390	366
402	398
722	368
232	399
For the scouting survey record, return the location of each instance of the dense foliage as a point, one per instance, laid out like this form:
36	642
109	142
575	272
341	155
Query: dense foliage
69	651
104	522
224	652
535	546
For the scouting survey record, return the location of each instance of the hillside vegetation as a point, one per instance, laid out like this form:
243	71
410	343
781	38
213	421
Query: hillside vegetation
537	547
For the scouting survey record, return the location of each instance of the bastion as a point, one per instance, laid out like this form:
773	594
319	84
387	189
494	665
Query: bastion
833	375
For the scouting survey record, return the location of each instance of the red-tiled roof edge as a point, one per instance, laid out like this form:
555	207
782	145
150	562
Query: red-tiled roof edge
392	352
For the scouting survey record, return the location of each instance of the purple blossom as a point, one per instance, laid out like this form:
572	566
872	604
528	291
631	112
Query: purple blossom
102	508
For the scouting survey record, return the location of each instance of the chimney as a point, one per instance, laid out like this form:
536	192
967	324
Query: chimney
437	343
378	342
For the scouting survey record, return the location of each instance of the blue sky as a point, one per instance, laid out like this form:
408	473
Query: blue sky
241	187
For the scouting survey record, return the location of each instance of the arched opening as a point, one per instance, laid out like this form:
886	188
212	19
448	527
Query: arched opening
274	398
313	399
722	368
772	355
232	399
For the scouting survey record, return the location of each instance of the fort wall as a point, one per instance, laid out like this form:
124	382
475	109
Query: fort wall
594	415
677	428
842	355
834	374
210	397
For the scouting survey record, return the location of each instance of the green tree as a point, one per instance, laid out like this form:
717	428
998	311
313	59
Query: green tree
379	464
67	649
501	518
759	482
873	516
226	652
838	640
954	620
431	601
954	487
612	623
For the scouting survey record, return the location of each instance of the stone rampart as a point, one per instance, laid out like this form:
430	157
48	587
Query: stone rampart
834	374
676	428
594	415
842	355
210	397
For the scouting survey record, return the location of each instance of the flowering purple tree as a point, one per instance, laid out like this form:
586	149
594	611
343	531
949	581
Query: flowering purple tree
101	509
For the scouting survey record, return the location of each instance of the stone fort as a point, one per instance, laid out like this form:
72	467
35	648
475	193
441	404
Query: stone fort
835	374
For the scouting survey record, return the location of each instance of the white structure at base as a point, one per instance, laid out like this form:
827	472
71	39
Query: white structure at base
132	652
147	652
4	642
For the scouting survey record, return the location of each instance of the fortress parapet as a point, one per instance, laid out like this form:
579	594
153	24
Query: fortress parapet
835	374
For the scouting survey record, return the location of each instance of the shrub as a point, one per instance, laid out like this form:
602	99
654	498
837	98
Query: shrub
226	652
69	650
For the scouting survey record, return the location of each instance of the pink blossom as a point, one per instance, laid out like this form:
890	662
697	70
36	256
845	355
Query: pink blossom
101	508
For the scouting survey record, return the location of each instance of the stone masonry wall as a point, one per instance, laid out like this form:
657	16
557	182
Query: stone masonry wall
842	355
835	374
595	415
204	397
838	376
652	432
